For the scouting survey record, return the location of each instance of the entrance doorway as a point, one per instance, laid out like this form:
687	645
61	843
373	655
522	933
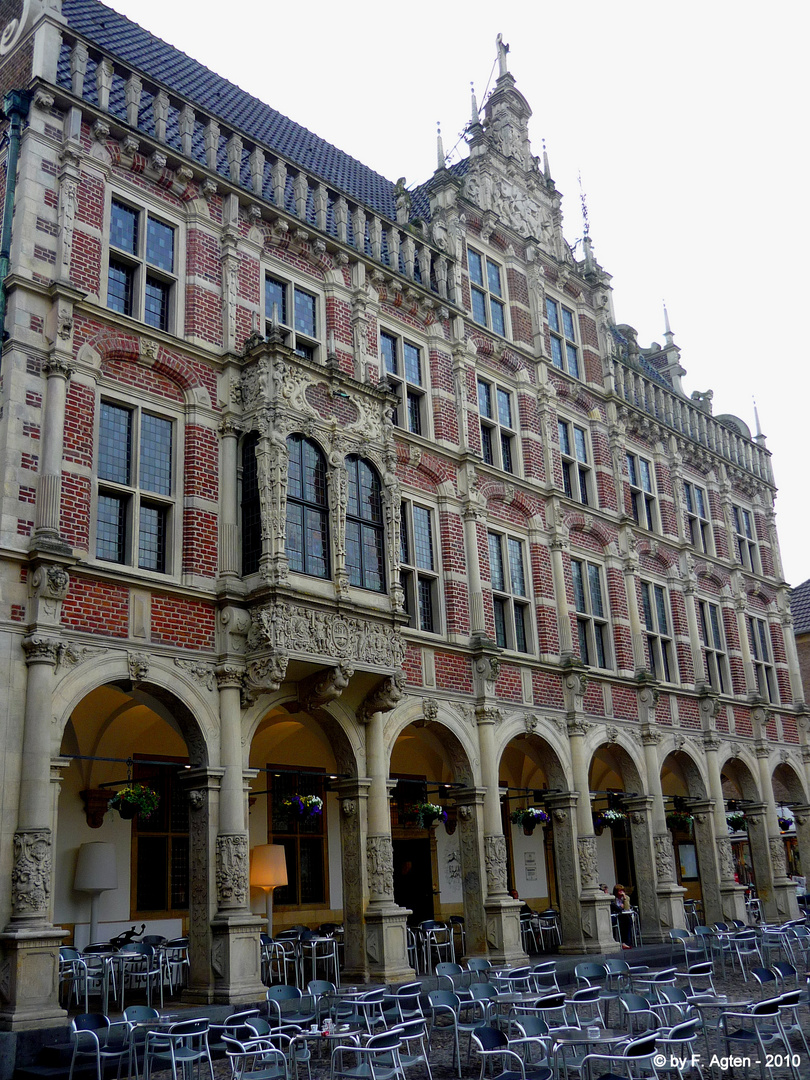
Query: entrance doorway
413	878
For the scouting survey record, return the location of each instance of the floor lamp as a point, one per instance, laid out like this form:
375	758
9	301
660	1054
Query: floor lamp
96	872
268	870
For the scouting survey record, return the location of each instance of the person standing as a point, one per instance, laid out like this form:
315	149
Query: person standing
621	905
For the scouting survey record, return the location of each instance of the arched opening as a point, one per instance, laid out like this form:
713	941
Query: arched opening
682	786
613	779
117	737
739	790
789	792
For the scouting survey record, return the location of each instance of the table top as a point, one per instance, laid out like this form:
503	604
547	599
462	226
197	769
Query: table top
706	1001
580	1035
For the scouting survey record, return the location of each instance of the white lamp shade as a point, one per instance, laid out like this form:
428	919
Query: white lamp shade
96	869
268	866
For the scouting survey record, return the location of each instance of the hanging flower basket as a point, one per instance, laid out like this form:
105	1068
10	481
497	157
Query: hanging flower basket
604	818
680	821
529	818
304	806
429	814
735	819
785	823
134	799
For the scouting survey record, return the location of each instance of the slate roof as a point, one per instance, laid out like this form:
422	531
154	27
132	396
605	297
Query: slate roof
119	37
800	607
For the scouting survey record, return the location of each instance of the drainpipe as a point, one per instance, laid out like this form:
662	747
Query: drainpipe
15	109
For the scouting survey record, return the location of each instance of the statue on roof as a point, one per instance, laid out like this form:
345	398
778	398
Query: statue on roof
503	49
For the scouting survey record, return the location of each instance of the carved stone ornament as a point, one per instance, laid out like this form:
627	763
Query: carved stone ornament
138	664
611	734
293	629
778	861
530	723
232	870
196	800
465	813
325	686
31	874
198	671
385	697
264	676
380	859
349	807
495	862
50	582
430	709
559	815
71	655
725	858
588	865
664	858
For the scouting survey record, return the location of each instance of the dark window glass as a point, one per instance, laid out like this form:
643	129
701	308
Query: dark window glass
156	303
304	313
573	360
426	620
152	873
152	538
496	573
506	453
303	839
124	228
275	294
498	322
161	841
476	267
552	315
364	529
388	347
484	399
494	278
413	364
156	454
415	413
160	245
111	532
479	307
520	628
568	324
499	606
307	527
251	514
120	287
423	538
556	352
115	444
504	408
486	446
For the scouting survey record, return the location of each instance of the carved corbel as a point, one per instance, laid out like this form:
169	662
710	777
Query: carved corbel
384	698
324	686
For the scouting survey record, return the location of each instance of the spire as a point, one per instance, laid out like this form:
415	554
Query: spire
756	418
669	337
503	49
440	160
474	118
546	166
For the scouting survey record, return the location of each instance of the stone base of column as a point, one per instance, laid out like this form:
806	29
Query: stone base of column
504	947
597	936
387	943
783	904
732	899
670	911
236	959
29	984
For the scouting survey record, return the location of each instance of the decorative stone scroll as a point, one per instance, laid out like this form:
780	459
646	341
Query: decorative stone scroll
495	862
198	670
31	874
232	870
293	629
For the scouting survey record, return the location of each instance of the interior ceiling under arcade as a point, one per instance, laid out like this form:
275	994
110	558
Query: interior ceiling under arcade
606	771
299	740
522	764
418	751
113	723
673	778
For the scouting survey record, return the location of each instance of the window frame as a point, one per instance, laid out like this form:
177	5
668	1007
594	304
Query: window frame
568	351
715	653
516	621
499	435
661	652
642	498
745	540
308	507
405	389
366	524
310	346
575	468
593	625
698	526
145	772
413	577
762	659
250	515
137	266
490	298
132	496
295	835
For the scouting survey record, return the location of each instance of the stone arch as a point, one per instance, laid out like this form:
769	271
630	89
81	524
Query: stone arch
788	786
109	344
738	772
548	748
711	574
459	746
497	491
585	523
614	756
686	769
654	552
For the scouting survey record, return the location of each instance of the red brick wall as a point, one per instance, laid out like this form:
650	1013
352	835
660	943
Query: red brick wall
185	623
97	607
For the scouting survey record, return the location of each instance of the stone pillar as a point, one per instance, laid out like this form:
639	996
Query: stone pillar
472	514
203	787
689	587
670	894
559	544
794	671
708	860
732	895
235	953
778	898
631	570
386	930
353	799
562	806
745	645
502	912
470	804
801	816
229	555
57	370
640	815
29	988
594	904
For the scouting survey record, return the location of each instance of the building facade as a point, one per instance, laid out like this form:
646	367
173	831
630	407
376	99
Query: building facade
318	488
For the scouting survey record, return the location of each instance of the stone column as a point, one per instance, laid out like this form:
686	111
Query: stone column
708	860
562	806
631	571
670	894
470	804
689	587
745	645
801	816
640	814
386	936
29	988
794	671
57	370
594	904
779	895
353	799
229	431
559	544
502	912
235	954
732	895
203	786
472	514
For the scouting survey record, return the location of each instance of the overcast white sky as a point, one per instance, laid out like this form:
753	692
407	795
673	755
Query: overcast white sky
686	122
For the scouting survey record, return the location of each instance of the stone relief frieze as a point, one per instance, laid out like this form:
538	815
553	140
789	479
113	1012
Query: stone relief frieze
778	862
380	858
664	858
495	862
200	672
232	870
31	873
293	629
588	865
